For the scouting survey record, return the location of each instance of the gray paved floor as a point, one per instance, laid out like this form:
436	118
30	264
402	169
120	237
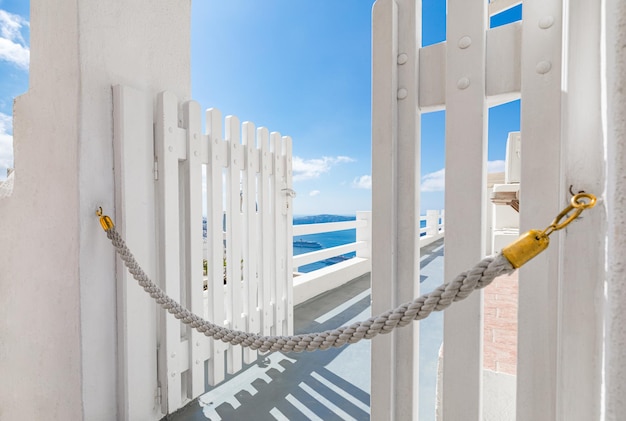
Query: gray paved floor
329	385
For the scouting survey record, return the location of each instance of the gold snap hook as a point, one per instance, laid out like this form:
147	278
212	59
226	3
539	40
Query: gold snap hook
534	242
577	204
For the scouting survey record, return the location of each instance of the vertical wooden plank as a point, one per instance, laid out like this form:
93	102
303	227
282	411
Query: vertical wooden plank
194	243
466	181
135	219
266	260
395	236
384	132
252	318
279	234
234	238
288	221
169	243
215	242
582	270
541	199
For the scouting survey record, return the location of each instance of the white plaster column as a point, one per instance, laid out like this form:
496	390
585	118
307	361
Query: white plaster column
57	269
615	346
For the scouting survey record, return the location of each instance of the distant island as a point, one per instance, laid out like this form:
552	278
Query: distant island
321	219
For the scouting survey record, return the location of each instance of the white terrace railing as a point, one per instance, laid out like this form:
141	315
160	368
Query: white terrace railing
311	284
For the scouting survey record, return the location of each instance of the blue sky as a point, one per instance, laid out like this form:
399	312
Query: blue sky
301	68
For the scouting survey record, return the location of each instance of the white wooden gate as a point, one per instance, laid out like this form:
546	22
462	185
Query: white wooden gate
242	178
551	60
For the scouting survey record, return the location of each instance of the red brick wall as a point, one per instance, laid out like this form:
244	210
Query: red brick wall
500	328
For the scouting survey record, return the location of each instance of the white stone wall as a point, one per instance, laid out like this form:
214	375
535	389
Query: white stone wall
615	114
58	298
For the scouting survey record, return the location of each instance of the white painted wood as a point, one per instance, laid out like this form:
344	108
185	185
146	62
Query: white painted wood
384	114
192	168
168	223
466	180
267	232
250	238
395	199
279	245
215	246
542	195
135	221
615	115
503	69
498	6
234	252
432	77
583	245
288	225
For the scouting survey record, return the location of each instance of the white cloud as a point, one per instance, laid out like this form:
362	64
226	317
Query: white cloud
13	47
495	166
6	144
306	169
435	181
362	182
314	193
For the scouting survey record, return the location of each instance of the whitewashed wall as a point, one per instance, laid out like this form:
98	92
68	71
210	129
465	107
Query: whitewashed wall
614	112
57	282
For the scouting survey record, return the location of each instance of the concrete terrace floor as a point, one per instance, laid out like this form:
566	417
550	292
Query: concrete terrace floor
323	385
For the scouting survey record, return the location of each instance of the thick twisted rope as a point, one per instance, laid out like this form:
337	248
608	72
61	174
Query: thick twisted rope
441	298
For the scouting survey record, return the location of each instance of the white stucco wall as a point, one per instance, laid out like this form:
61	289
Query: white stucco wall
57	285
615	364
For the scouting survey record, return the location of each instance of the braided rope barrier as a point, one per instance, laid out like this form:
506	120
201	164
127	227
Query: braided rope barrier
441	298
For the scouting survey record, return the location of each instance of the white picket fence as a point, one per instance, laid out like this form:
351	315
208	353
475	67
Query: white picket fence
550	60
242	178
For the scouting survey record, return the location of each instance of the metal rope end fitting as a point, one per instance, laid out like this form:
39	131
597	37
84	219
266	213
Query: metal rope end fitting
534	242
105	221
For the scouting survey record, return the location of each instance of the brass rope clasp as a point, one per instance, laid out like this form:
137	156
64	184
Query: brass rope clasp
534	241
105	221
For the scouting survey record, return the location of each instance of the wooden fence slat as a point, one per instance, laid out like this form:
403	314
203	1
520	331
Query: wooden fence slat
234	238
215	242
135	221
267	233
193	235
288	226
582	273
250	281
503	63
466	180
541	193
167	153
384	109
279	233
395	196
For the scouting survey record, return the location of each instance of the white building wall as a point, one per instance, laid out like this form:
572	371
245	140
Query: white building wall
58	297
615	347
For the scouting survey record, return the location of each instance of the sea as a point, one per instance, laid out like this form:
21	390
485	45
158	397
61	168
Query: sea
312	242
